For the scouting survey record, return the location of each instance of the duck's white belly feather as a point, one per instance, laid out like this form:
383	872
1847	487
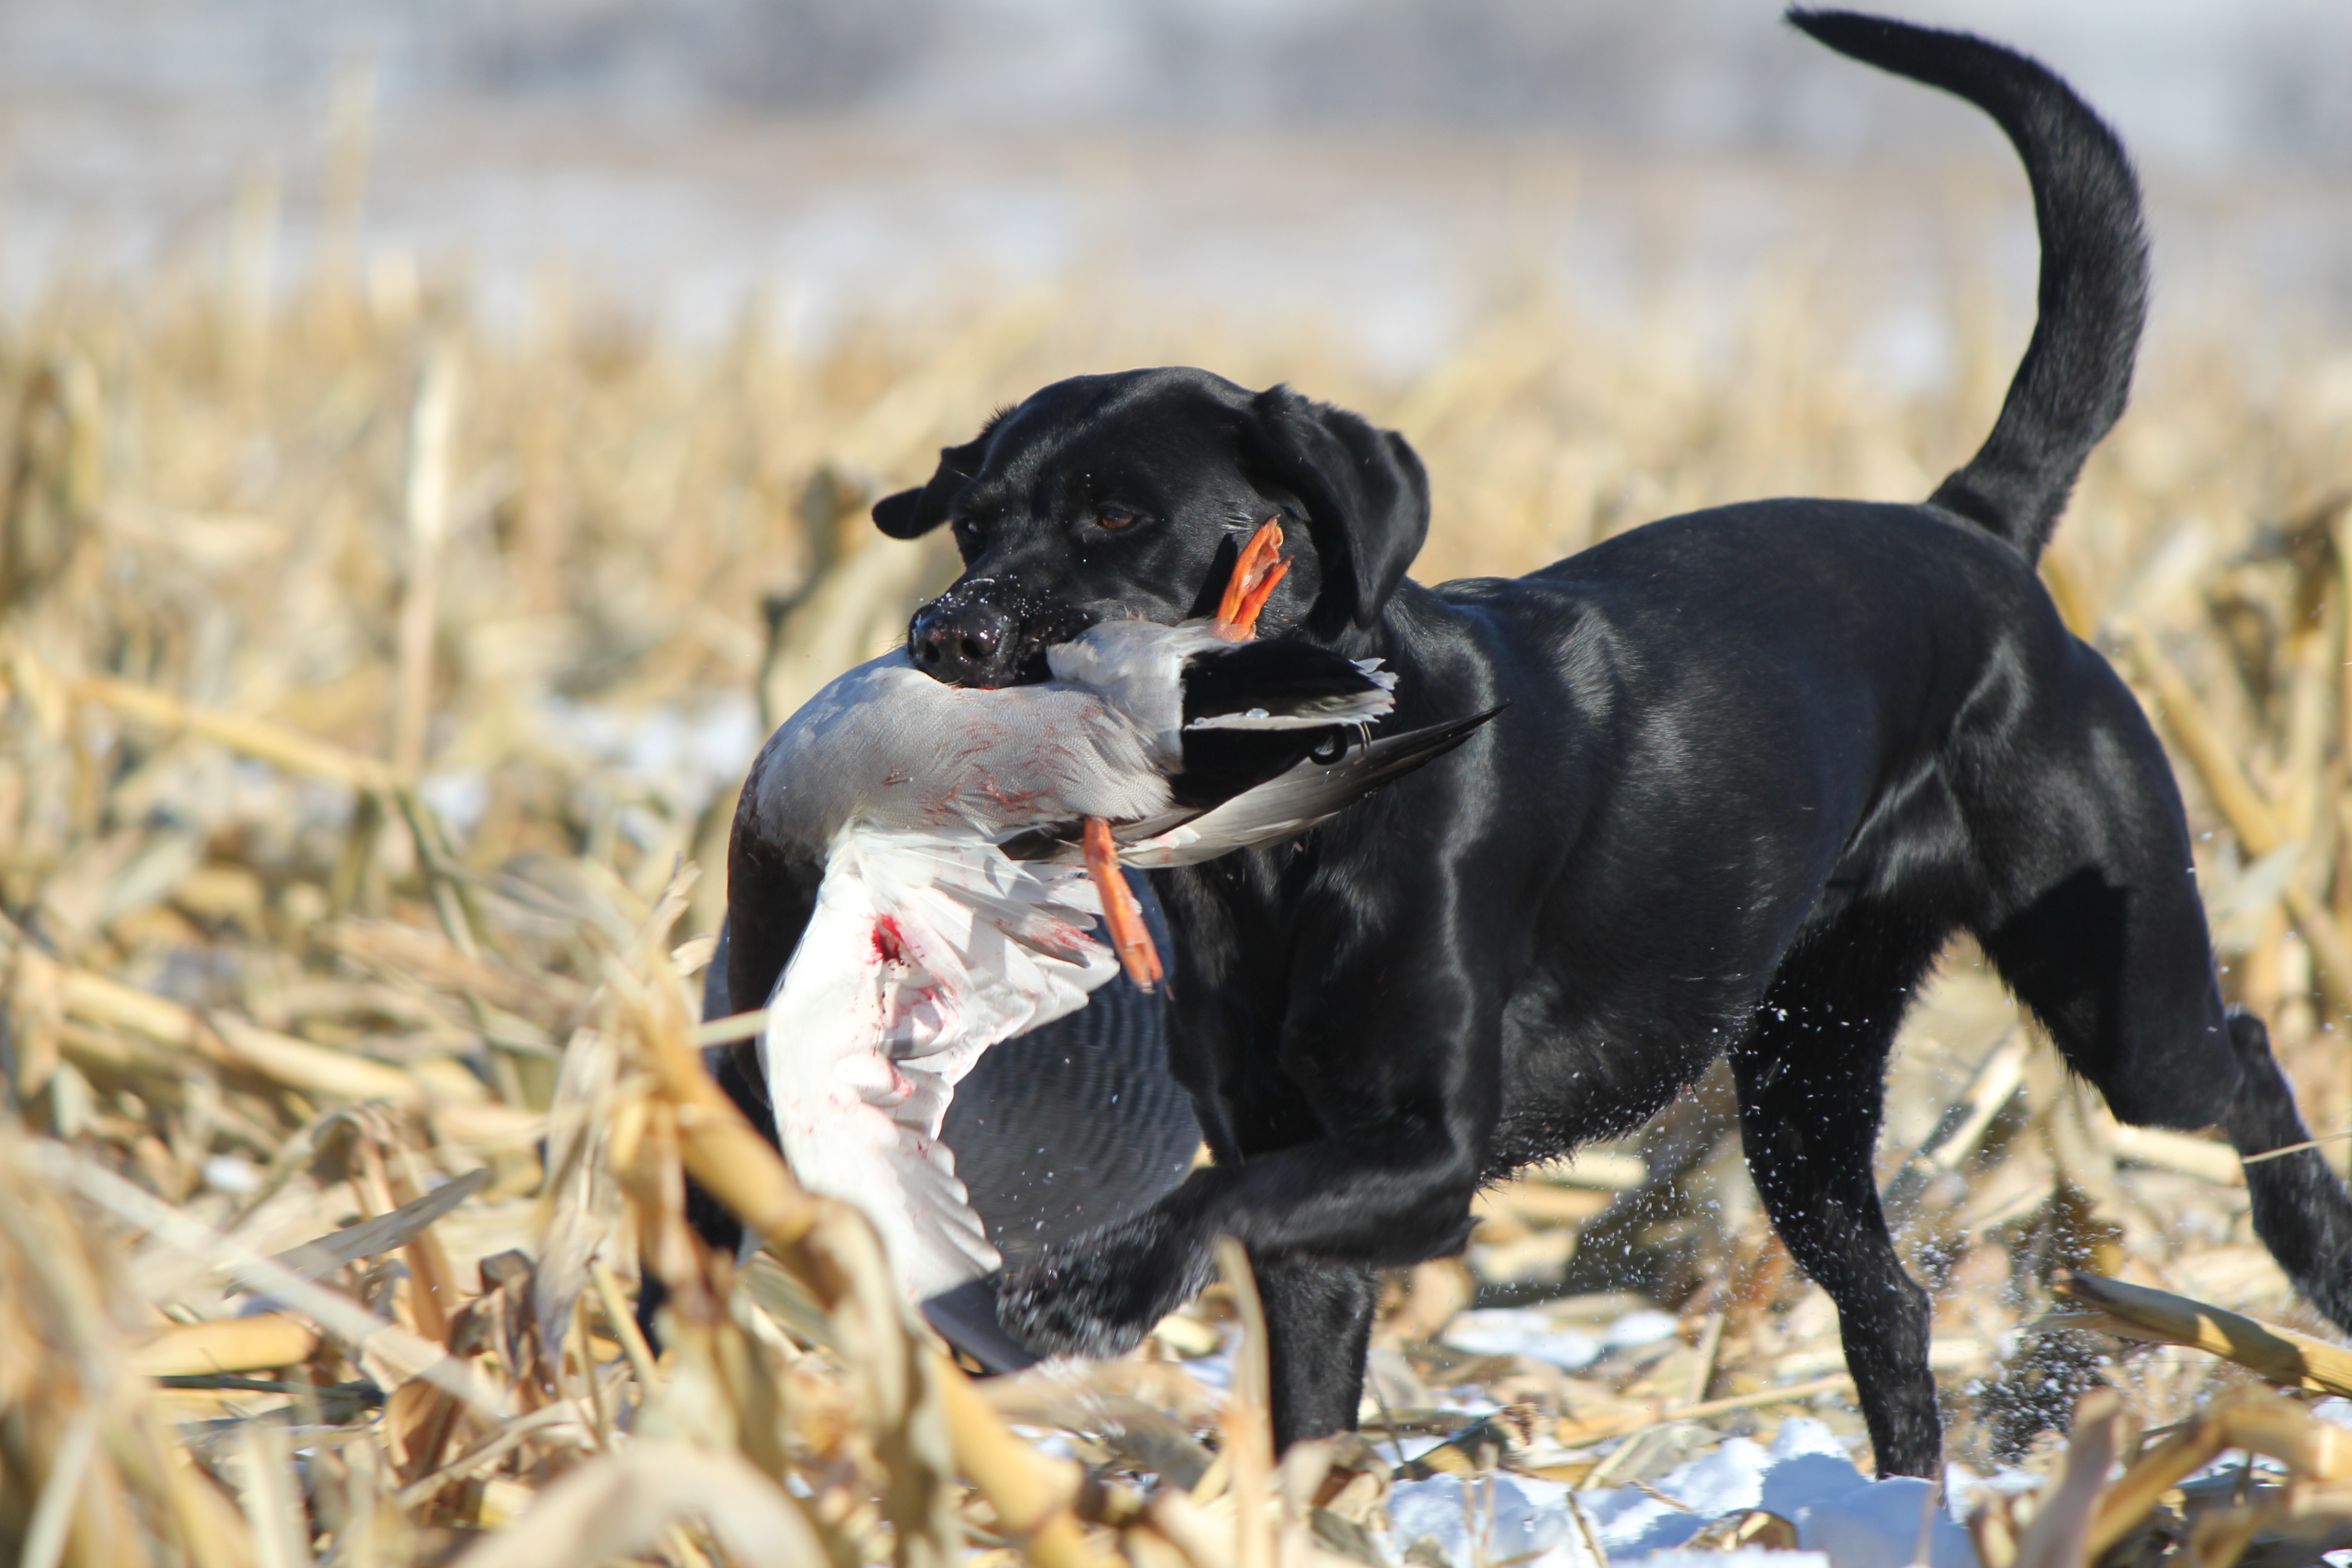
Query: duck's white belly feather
927	945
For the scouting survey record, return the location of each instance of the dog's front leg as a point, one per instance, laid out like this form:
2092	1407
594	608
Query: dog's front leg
1808	1121
1101	1293
1318	1324
1396	1065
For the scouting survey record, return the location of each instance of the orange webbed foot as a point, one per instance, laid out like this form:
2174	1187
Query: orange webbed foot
1129	937
1257	572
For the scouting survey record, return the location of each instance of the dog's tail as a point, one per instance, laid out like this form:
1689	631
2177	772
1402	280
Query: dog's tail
2070	389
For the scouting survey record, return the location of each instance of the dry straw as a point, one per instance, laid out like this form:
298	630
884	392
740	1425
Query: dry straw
350	1046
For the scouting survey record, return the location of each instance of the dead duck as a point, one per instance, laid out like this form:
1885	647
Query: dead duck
955	851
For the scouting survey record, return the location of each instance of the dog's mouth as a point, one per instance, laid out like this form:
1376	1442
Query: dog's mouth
988	633
1048	627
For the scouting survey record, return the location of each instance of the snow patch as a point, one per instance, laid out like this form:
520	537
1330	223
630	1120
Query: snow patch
1531	1331
1843	1519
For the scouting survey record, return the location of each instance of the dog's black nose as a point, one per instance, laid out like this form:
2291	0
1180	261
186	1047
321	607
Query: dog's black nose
962	645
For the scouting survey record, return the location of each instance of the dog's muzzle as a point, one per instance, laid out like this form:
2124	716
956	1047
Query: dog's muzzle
984	632
965	640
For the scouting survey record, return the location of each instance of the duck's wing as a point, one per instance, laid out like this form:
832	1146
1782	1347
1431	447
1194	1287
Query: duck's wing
1282	685
1073	1126
923	950
1312	790
1173	682
1255	711
1077	1123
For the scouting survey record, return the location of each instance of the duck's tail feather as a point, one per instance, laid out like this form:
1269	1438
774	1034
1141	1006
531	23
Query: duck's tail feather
1311	792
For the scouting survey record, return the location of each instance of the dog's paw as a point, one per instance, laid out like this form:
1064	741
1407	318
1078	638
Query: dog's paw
1099	1296
2248	1037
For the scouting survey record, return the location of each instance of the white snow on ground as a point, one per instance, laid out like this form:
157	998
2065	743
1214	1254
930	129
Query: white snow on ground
683	752
1843	1519
1518	1519
1215	1370
1804	1476
1531	1331
1744	1557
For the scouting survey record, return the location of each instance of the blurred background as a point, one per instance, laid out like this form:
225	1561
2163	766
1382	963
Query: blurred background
436	442
1381	165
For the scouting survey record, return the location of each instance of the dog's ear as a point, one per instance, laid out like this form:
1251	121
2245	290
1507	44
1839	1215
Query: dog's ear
910	514
901	515
1366	494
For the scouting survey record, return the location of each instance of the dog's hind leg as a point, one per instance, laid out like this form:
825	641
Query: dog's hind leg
1810	1074
2099	930
1319	1321
2300	1208
2088	903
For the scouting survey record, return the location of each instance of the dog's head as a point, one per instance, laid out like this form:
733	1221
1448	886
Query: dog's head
1129	495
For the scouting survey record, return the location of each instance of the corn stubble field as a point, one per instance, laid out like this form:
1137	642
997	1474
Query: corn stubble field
348	986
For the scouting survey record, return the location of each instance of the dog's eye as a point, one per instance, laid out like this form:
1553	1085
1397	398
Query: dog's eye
1115	517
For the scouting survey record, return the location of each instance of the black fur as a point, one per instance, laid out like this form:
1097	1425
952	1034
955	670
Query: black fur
1760	764
2299	1211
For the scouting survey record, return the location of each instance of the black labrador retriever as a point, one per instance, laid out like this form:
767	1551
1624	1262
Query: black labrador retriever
1759	763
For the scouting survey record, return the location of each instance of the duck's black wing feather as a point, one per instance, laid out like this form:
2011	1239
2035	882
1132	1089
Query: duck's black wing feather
1325	771
1076	1124
1221	764
1323	783
1254	710
1276	681
1071	1126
